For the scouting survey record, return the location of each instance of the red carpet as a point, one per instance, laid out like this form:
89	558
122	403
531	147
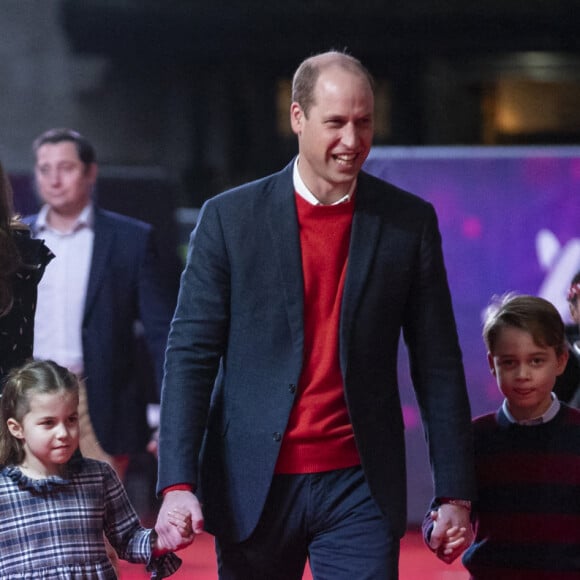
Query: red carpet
417	563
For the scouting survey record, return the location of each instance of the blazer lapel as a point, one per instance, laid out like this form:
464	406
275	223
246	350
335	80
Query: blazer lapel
286	246
102	247
363	242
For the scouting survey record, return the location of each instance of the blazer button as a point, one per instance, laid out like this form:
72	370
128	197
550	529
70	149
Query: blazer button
292	388
276	436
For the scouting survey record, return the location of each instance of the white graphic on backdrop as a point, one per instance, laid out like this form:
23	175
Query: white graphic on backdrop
560	262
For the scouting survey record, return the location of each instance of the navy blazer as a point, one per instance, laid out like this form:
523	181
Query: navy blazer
125	290
235	350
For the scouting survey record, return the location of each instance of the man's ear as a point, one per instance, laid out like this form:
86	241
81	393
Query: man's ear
490	363
296	118
563	361
15	428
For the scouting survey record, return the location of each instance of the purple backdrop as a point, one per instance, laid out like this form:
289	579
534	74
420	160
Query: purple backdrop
510	220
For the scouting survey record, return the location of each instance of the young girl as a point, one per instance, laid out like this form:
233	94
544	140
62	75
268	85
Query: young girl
56	505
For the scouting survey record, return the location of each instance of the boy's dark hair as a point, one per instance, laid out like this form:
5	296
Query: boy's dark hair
35	377
85	149
529	313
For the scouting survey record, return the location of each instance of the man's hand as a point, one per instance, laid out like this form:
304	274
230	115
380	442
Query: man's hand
171	536
182	521
452	532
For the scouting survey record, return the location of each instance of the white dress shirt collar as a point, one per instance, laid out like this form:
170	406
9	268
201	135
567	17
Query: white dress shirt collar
305	193
547	416
85	219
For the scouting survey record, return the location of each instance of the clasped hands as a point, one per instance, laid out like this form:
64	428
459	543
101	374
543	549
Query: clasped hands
452	533
180	519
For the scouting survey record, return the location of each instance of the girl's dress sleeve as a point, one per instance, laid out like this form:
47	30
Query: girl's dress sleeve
131	541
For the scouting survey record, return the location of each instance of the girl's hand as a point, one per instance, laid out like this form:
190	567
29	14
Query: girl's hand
178	502
182	521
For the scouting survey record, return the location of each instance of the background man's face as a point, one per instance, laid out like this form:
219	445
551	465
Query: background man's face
63	181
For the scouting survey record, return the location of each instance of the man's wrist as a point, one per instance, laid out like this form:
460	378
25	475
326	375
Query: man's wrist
177	487
464	503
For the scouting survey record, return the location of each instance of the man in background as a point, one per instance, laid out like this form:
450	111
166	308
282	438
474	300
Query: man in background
103	288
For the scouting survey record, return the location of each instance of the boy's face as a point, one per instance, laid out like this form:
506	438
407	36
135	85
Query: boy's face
525	372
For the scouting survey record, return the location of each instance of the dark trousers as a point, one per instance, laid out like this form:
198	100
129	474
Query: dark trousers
329	518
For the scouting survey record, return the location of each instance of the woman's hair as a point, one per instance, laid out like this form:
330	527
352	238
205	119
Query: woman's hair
10	259
529	313
22	383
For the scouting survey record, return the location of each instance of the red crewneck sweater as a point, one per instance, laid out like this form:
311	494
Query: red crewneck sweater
319	435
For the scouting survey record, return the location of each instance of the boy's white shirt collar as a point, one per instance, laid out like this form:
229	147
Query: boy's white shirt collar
547	416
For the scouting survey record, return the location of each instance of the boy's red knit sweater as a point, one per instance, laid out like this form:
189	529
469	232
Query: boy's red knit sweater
319	435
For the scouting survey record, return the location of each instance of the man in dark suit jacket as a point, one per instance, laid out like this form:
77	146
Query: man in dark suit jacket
280	407
105	288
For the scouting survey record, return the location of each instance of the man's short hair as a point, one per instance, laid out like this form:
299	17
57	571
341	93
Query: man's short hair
307	74
85	149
